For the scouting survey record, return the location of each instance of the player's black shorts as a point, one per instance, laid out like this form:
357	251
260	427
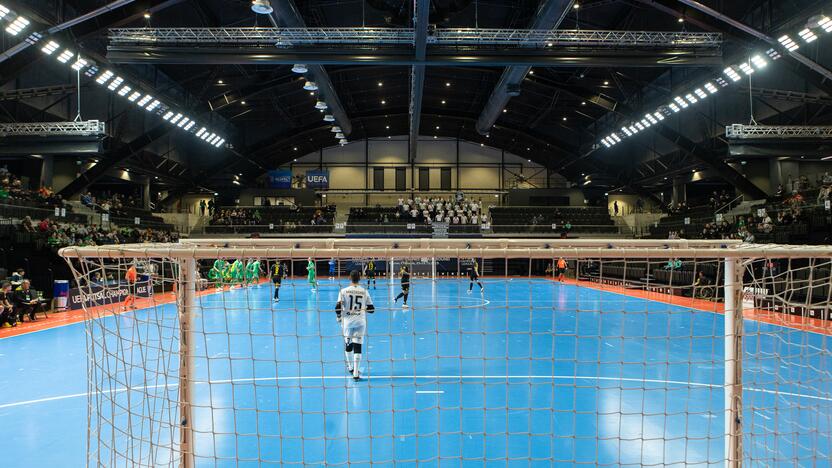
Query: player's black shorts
277	280
405	287
560	271
371	274
473	276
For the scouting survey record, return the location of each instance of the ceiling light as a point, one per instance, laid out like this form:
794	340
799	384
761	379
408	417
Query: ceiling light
335	129
343	141
220	82
115	83
145	100
153	105
604	141
674	107
700	93
300	68
183	122
564	119
746	68
721	82
383	101
691	98
447	84
808	36
205	136
201	131
17	25
339	135
825	23
190	125
262	7
679	100
169	115
387	127
616	138
242	103
626	131
651	119
606	83
583	103
658	115
773	54
133	96
645	123
65	56
329	118
105	77
51	47
176	118
634	129
320	105
3	11
310	86
505	110
437	127
711	88
443	101
639	126
732	74
147	15
220	143
380	84
759	62
788	43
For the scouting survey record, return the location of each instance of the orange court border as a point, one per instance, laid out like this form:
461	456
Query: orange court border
807	324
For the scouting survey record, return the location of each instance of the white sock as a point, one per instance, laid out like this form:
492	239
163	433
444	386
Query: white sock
356	360
349	358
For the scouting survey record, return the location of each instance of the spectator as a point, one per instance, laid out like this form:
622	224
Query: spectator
25	301
7	315
202	207
17	277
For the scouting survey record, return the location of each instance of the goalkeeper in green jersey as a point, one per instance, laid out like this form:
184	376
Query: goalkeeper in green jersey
218	272
310	269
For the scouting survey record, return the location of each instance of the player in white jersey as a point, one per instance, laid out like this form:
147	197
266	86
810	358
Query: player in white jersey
354	303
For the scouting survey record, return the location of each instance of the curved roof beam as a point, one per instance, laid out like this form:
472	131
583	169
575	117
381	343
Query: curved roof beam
549	16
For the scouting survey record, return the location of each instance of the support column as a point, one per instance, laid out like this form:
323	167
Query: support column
733	363
47	171
775	174
146	193
679	192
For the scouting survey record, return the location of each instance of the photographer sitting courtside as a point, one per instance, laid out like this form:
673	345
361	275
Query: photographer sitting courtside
25	301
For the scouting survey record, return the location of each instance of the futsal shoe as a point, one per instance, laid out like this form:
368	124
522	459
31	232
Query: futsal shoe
469	291
405	306
356	376
350	371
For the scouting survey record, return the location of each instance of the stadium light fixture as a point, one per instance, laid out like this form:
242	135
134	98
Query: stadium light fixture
219	143
732	74
4	11
616	138
153	105
651	119
711	88
645	123
201	131
300	68
700	93
80	64
658	115
825	23
310	86
633	129
788	43
115	83
49	48
626	131
759	62
339	135
329	118
681	102
17	26
639	126
143	102
335	129
721	81
183	122
205	136
167	116
343	141
132	97
674	107
177	118
746	68
65	56
808	36
321	105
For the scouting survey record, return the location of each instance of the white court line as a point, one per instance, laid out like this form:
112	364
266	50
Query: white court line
430	391
420	377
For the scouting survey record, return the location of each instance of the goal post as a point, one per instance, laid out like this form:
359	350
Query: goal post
631	359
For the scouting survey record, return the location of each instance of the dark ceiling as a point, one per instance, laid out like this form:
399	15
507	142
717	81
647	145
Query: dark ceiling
556	120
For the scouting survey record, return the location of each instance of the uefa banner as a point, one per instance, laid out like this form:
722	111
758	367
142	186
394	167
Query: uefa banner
317	179
280	179
98	294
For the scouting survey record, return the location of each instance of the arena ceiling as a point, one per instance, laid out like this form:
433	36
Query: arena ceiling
568	98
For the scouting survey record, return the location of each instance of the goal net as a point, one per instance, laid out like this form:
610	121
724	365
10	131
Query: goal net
522	353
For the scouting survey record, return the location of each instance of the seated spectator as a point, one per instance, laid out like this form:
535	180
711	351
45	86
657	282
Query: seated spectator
27	224
17	277
7	315
25	301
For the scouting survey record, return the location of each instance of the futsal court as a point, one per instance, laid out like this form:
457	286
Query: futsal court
531	372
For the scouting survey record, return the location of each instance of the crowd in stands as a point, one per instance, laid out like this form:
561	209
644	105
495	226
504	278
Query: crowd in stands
12	190
458	210
254	217
61	234
114	203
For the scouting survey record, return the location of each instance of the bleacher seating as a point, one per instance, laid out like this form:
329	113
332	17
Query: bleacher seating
285	220
509	219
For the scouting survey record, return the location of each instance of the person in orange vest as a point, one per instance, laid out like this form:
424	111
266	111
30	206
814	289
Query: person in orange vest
131	277
561	268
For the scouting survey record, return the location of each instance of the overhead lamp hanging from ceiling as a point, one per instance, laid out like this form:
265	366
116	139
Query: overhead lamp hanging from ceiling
320	105
335	129
300	68
343	141
339	135
329	118
310	86
262	7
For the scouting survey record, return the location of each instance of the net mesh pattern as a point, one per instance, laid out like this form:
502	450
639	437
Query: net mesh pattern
618	362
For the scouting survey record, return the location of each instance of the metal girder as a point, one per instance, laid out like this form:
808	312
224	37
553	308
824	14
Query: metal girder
47	129
248	92
798	57
118	156
287	15
417	72
549	16
603	58
777	132
374	37
31	93
788	96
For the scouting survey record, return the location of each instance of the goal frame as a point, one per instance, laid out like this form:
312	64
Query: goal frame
734	254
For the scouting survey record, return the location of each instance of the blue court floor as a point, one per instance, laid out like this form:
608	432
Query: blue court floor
528	373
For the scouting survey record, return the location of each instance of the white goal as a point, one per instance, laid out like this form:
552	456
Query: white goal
507	352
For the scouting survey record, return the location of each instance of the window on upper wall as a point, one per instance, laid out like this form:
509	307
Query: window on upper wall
401	179
424	178
445	178
378	178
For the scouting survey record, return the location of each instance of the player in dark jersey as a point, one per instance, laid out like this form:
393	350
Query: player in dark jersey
405	277
474	276
370	273
278	272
